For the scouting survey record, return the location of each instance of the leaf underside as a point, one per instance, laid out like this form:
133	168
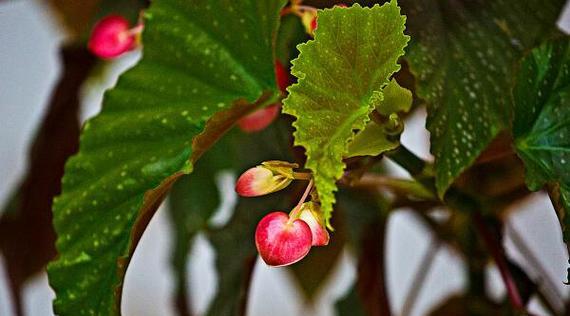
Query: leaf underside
200	58
463	53
541	125
340	77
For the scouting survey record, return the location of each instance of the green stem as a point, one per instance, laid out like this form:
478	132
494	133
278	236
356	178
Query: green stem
408	160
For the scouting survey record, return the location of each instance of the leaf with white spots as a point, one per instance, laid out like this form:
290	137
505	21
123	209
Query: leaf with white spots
463	53
205	64
341	74
541	125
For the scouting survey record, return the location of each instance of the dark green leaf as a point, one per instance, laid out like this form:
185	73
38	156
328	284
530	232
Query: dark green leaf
463	53
340	77
200	58
541	124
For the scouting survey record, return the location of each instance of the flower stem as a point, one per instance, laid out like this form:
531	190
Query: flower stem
295	212
302	175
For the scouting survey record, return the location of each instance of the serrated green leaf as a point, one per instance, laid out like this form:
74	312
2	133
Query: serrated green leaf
340	77
396	99
541	125
374	140
462	53
200	58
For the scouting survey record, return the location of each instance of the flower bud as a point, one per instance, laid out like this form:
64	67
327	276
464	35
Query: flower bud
281	241
259	120
269	177
112	37
312	215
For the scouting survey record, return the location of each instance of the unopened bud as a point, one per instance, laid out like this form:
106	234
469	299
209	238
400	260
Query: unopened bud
312	215
269	177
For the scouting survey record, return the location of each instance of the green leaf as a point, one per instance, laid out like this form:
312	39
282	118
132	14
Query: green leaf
396	99
340	77
200	58
541	125
374	140
462	53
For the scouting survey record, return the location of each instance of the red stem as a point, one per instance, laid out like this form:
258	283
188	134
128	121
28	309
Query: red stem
498	255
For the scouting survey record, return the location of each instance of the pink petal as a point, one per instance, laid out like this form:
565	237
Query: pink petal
282	243
319	232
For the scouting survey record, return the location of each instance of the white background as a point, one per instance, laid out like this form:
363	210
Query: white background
29	67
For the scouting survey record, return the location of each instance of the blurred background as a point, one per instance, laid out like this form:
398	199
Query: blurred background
29	68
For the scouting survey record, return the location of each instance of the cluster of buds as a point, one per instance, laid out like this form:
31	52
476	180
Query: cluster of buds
112	36
283	239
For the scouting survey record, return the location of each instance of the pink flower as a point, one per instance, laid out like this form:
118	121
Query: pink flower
311	214
112	37
281	241
270	176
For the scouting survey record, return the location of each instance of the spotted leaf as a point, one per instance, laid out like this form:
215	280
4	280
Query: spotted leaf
204	65
541	124
463	53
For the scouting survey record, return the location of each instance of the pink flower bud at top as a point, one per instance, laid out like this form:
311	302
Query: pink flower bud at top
112	37
312	215
269	177
260	119
281	241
